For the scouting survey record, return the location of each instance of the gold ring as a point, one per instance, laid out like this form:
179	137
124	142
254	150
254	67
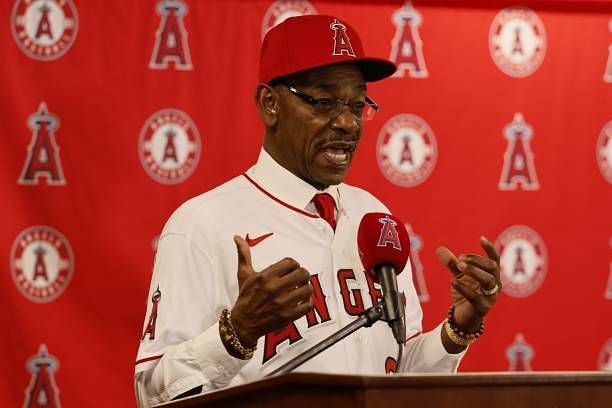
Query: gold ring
490	292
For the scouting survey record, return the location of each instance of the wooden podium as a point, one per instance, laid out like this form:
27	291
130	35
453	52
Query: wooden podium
496	390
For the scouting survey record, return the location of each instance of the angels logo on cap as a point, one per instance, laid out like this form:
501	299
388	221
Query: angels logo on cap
44	29
281	10
313	41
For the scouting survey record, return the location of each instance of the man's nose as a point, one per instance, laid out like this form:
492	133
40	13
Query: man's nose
346	121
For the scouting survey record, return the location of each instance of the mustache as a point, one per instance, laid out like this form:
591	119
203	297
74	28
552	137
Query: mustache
333	143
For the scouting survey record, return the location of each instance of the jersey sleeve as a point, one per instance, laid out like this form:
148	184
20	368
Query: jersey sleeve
180	348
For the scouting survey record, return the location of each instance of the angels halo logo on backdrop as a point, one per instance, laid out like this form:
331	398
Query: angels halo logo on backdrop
603	151
42	263
42	391
406	150
44	29
604	361
523	260
281	10
517	41
169	146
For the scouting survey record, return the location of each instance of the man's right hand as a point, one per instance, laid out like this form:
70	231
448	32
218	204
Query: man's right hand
270	299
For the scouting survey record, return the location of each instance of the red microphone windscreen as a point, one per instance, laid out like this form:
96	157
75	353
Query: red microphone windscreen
382	239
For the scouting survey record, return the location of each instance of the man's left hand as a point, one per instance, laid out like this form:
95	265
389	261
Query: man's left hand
475	285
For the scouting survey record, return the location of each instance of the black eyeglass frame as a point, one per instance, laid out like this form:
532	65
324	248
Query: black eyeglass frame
322	104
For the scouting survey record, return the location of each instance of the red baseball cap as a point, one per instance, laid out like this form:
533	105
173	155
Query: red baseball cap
312	41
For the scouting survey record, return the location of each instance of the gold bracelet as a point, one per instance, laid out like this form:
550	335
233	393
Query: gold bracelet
230	339
456	335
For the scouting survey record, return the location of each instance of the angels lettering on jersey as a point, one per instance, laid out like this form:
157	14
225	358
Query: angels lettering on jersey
44	29
42	392
518	168
406	45
171	37
517	41
281	10
519	354
352	299
42	160
608	71
523	260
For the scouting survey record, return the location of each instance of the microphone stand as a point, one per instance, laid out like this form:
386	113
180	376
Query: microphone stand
365	319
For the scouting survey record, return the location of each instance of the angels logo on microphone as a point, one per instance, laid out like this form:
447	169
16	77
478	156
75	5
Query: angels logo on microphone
169	146
42	390
42	160
519	354
518	168
44	29
517	41
608	71
281	10
406	150
42	263
604	361
389	234
523	260
418	277
406	45
171	37
603	152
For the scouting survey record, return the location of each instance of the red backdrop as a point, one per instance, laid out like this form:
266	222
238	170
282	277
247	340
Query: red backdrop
113	113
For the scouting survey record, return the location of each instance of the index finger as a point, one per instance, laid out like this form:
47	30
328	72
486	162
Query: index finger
489	249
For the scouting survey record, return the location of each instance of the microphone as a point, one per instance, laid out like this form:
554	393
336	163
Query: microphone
384	247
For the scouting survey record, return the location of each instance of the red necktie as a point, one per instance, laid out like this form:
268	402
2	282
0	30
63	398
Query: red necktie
326	207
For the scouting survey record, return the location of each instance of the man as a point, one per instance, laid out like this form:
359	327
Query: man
259	269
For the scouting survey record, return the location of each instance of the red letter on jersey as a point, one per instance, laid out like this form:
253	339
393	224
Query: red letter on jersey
352	304
150	329
273	339
171	37
320	307
43	153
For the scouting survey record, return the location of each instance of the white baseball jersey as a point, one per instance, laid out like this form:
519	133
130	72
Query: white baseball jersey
195	278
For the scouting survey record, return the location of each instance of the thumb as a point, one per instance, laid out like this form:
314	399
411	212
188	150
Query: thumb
245	268
447	258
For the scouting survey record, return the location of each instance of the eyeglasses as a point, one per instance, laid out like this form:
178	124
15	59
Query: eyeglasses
331	108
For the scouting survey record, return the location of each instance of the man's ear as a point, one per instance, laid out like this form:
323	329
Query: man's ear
266	99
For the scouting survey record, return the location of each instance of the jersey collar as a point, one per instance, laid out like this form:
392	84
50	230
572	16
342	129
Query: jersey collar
284	185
